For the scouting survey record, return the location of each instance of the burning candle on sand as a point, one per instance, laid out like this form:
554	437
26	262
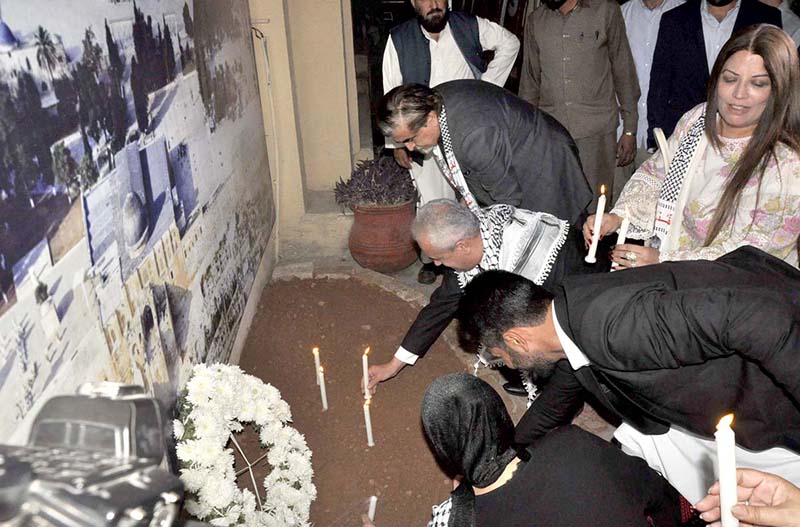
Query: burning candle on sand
368	422
322	393
315	351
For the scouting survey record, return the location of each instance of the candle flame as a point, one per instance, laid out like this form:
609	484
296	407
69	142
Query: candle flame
367	401
366	351
315	350
321	369
725	421
602	189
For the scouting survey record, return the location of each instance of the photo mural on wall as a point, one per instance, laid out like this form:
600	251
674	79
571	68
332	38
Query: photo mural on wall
135	197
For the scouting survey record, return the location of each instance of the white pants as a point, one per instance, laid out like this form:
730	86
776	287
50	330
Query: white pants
430	182
688	461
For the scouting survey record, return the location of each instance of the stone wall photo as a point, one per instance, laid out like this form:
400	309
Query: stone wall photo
135	195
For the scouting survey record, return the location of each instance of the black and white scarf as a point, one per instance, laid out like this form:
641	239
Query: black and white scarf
449	166
673	182
493	221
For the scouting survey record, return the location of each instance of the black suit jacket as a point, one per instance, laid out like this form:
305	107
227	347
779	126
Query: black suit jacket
679	74
511	152
684	343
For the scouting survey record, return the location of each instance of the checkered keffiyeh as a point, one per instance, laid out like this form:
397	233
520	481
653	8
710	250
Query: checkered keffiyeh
441	514
673	181
449	165
493	221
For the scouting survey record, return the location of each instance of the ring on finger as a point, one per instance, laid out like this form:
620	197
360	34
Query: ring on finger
631	257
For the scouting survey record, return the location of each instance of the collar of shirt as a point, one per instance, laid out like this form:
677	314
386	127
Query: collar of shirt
575	356
710	19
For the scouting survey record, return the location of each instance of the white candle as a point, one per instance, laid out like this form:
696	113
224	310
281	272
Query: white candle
365	371
368	422
322	393
373	502
726	466
315	351
622	234
598	221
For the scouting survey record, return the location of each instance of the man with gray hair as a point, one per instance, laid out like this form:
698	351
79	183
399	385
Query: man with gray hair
536	245
492	146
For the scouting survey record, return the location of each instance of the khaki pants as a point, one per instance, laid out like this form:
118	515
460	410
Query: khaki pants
598	155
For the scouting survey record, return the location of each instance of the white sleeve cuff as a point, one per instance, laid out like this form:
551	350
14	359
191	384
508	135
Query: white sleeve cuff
406	356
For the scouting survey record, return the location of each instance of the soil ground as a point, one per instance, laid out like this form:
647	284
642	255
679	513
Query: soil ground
342	317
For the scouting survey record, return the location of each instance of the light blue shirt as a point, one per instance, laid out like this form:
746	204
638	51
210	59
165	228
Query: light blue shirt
716	33
641	26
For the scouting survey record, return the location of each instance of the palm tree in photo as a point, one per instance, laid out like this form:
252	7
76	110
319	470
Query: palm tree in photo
46	54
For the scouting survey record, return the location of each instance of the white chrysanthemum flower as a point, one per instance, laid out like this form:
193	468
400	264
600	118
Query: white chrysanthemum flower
221	400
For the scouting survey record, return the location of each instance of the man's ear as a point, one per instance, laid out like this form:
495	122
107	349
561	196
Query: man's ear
514	340
462	245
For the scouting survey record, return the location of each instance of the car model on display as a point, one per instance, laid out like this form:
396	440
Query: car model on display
92	459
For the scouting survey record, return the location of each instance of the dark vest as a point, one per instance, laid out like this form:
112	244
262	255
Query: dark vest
414	53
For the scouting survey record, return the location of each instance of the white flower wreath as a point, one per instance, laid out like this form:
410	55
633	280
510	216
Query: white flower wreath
218	401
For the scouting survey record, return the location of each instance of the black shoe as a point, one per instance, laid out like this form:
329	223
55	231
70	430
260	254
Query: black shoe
515	388
427	273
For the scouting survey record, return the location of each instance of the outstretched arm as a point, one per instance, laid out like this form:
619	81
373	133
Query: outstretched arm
431	321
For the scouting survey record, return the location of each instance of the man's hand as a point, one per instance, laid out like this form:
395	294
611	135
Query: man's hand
630	255
402	159
626	150
382	372
767	501
610	223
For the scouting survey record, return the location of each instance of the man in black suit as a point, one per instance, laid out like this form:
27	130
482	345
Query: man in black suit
666	349
492	146
689	39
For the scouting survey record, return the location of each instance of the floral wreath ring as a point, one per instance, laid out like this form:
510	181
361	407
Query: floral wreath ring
217	402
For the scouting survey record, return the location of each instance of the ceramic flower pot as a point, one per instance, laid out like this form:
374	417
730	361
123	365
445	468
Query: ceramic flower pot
380	238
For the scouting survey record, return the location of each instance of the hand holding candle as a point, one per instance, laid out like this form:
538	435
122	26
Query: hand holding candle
598	222
622	234
365	370
726	466
315	352
322	392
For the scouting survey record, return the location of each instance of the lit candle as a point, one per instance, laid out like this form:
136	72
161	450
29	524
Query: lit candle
622	233
315	351
598	222
322	393
365	370
373	502
726	467
368	422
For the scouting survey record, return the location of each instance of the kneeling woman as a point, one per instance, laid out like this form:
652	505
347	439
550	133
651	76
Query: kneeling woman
567	478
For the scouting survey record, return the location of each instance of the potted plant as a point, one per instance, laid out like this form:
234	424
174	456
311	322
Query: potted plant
381	195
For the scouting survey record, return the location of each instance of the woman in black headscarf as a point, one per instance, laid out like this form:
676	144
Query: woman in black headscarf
567	478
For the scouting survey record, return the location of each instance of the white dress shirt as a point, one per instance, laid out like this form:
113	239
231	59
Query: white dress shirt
716	33
641	26
447	62
684	459
791	22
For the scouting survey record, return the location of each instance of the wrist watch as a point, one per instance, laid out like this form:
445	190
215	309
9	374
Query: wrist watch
629	134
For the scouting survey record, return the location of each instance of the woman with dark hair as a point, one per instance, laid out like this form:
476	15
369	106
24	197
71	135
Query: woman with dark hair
730	173
567	478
